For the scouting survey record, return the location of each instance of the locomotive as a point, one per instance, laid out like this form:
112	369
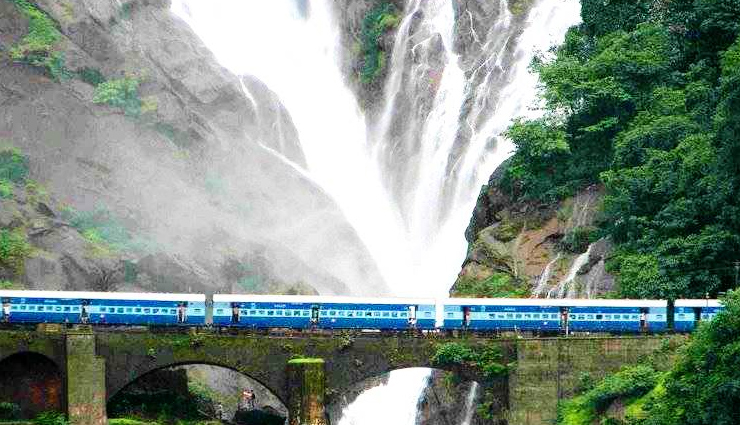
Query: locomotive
340	312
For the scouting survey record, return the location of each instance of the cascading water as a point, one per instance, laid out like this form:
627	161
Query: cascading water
407	182
469	403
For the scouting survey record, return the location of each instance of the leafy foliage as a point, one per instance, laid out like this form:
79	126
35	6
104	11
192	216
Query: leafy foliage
91	76
499	285
9	411
702	388
14	249
102	229
377	21
38	47
51	418
13	165
120	93
644	98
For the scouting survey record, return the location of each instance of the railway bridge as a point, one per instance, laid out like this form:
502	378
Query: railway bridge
304	370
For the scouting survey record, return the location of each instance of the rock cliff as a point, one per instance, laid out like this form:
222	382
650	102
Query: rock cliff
527	248
190	158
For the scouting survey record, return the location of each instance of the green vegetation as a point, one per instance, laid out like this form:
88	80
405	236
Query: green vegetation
120	93
91	76
6	189
627	384
104	231
13	165
378	20
644	98
577	240
14	249
699	389
9	411
487	360
499	285
39	47
51	418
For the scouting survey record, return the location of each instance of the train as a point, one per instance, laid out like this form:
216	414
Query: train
341	312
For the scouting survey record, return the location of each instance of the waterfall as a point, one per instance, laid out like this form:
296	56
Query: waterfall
408	180
545	277
567	284
391	403
469	403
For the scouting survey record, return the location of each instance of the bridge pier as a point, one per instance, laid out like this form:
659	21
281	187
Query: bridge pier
86	393
306	390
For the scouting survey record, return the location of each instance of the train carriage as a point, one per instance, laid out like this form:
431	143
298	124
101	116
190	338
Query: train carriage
616	316
687	313
103	308
327	312
501	314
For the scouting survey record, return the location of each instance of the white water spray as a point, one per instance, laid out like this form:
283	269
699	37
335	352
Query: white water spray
393	403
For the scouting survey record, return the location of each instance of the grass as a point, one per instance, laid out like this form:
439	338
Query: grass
39	47
306	360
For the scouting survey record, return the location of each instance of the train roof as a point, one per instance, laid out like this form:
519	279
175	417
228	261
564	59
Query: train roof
149	296
319	299
555	302
697	303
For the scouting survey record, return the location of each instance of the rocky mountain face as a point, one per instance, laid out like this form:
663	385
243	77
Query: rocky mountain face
127	112
526	248
448	402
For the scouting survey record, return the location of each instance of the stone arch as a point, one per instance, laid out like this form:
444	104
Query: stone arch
33	381
166	365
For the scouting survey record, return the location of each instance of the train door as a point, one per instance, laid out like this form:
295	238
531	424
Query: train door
643	319
412	316
564	323
466	317
235	313
314	314
697	315
6	309
84	315
182	312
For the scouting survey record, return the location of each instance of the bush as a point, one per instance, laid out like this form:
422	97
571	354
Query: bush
37	48
120	93
452	353
577	240
499	285
9	411
378	20
14	249
51	418
6	189
13	165
91	76
101	228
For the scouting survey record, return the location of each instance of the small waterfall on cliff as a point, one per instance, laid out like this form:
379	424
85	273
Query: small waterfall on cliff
545	277
566	287
469	403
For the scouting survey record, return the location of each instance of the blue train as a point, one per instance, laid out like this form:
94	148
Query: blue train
330	312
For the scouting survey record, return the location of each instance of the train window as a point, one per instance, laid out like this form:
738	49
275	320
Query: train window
332	313
261	312
219	310
147	311
572	317
278	312
129	310
607	317
427	314
270	312
305	313
376	314
369	314
23	307
536	316
599	316
518	316
66	308
450	315
527	316
509	316
14	307
658	316
350	314
581	317
120	309
388	314
58	308
681	316
75	309
394	314
252	312
590	317
173	311
137	310
491	316
705	316
404	314
500	315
